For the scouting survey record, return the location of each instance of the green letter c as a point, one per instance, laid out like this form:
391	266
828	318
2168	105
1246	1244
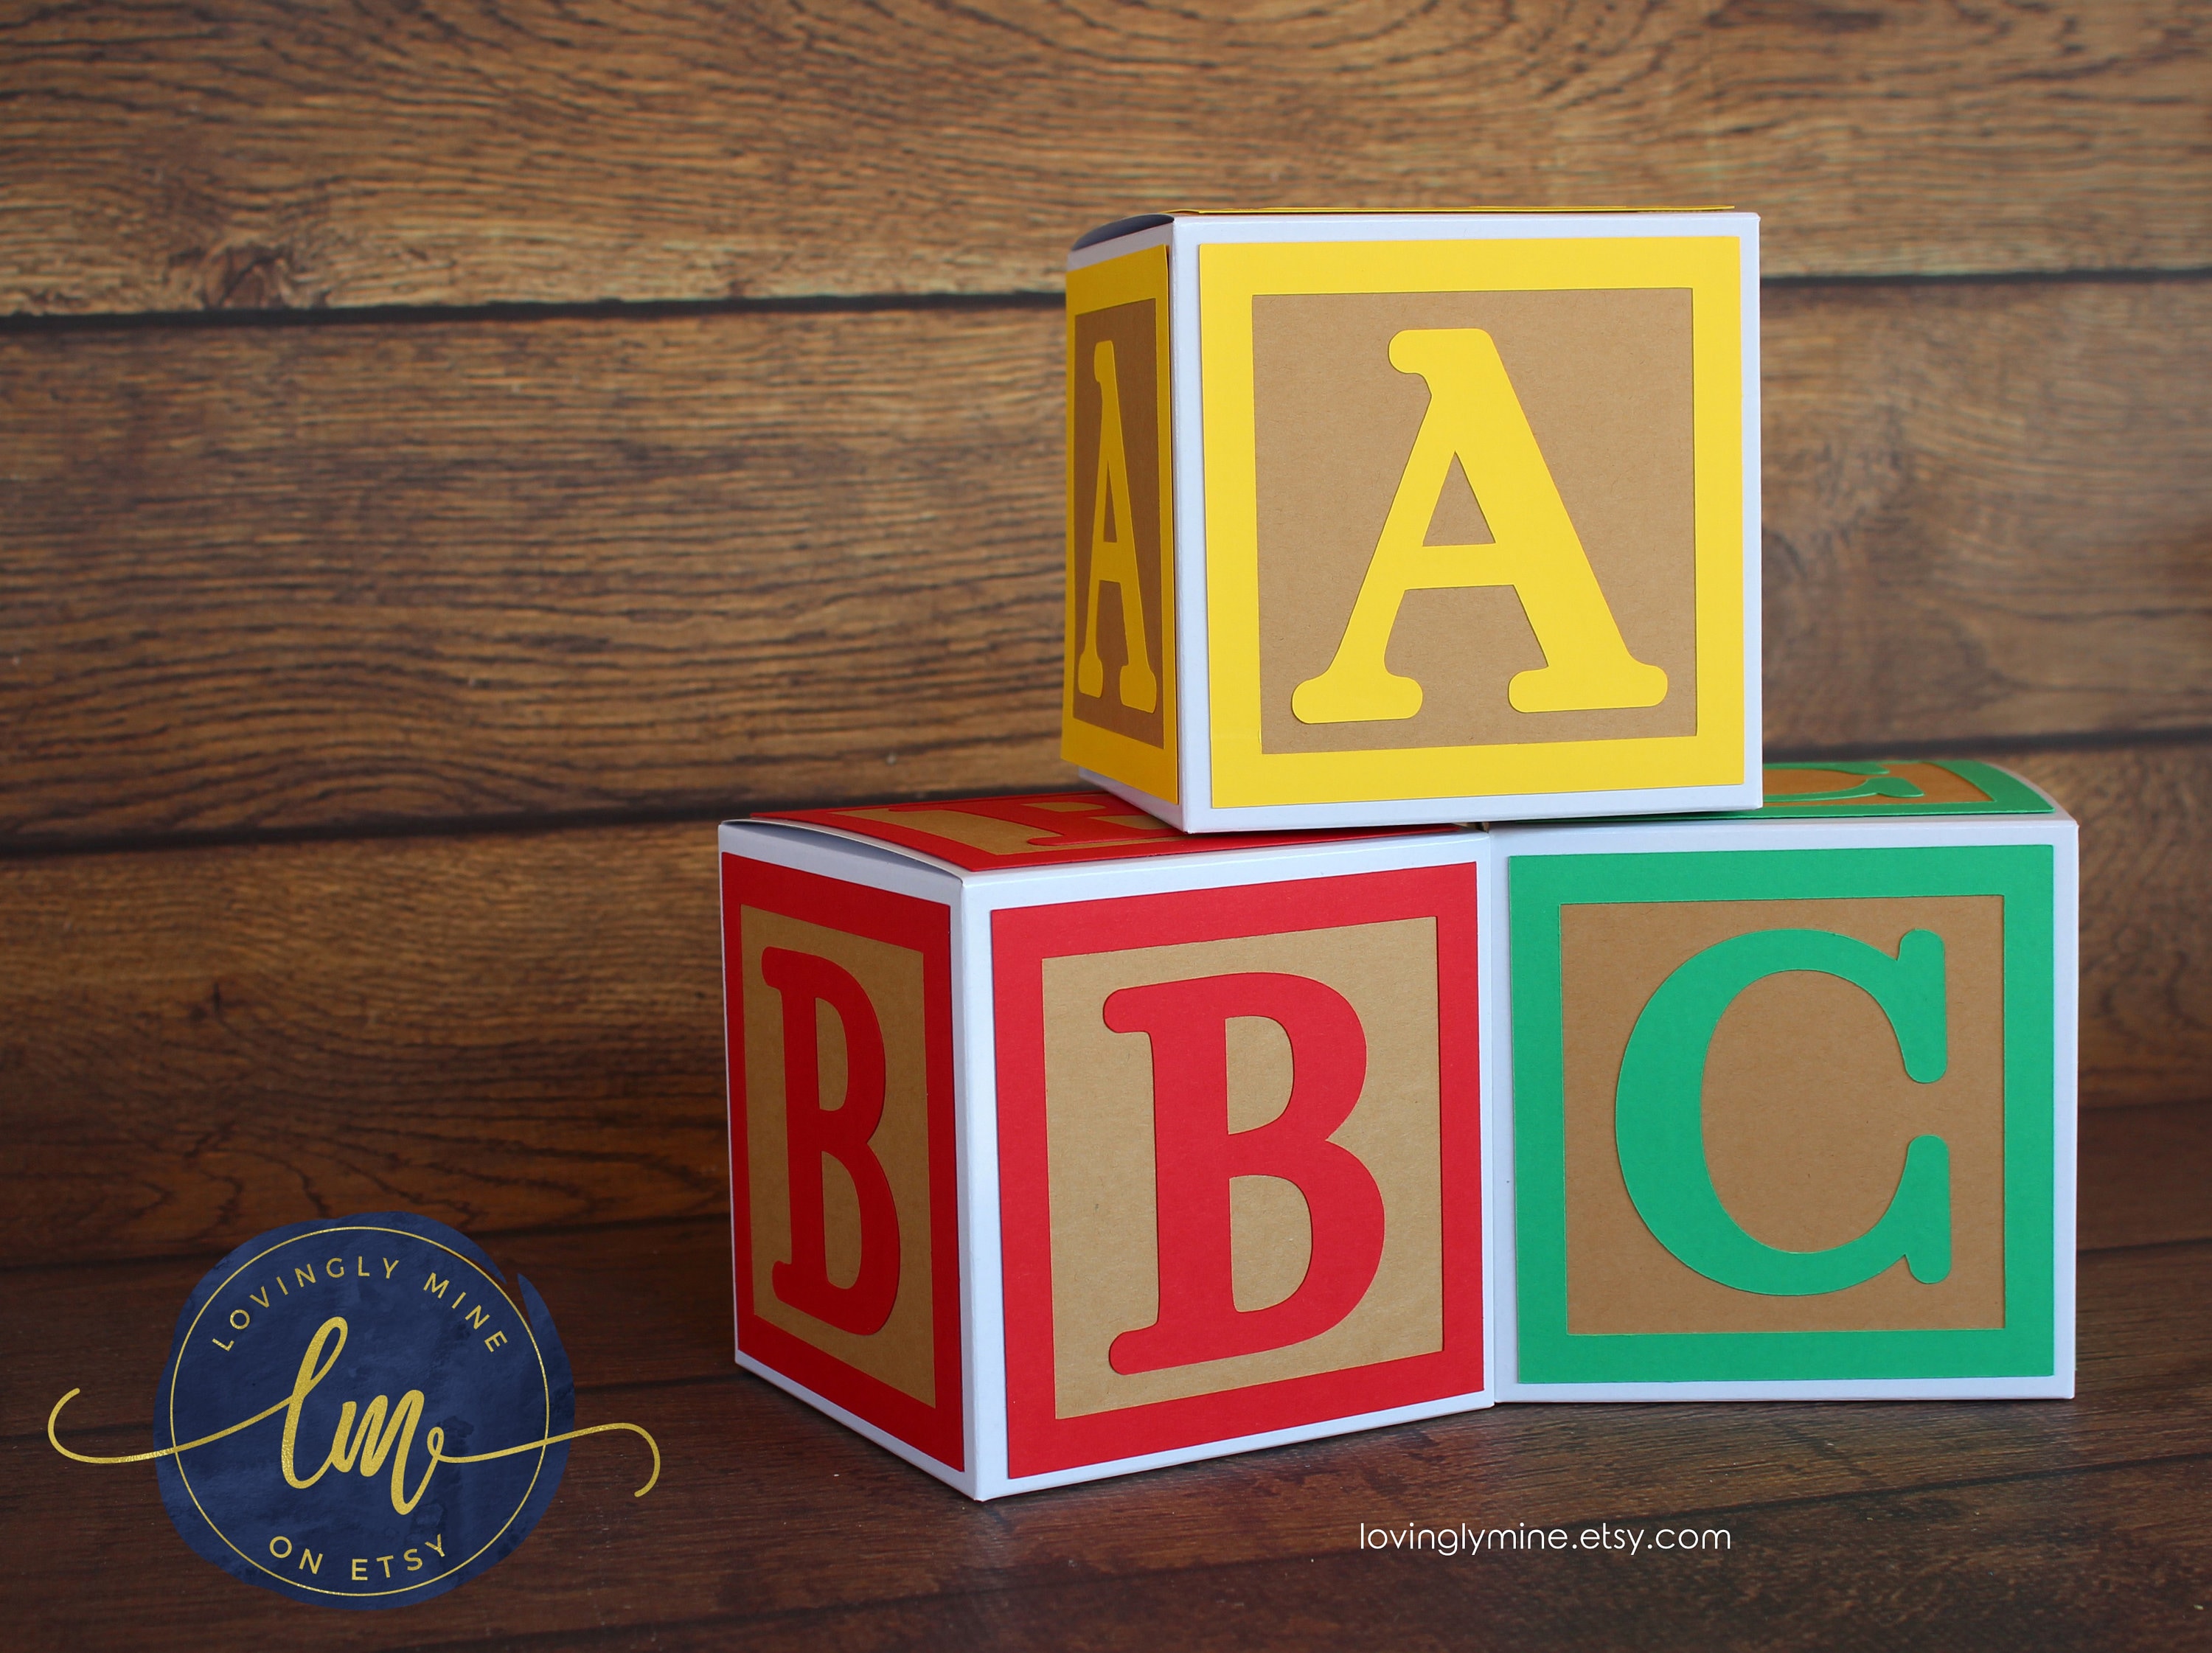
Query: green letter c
1876	782
1659	1113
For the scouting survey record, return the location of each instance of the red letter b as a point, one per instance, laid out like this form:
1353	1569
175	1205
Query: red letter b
1196	1155
812	1133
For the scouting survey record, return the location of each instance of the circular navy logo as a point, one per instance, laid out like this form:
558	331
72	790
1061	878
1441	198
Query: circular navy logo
354	1414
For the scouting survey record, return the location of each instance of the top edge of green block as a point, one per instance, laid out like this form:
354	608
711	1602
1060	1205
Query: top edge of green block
1835	788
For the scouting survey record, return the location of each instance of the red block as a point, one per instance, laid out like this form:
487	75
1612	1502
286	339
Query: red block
1064	1143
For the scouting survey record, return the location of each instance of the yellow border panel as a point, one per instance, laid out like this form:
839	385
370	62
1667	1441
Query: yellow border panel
1231	274
1151	770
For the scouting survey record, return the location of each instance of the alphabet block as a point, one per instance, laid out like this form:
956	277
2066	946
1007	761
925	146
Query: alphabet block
1787	1097
1064	1143
1376	519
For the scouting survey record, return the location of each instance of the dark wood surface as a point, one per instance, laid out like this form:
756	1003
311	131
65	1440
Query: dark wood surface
1908	1525
337	575
509	1030
172	157
370	678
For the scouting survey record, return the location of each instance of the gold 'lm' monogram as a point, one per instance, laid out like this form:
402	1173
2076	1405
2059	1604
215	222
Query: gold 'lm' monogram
370	1444
383	1431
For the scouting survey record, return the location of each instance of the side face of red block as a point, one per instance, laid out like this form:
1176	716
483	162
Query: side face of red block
843	1163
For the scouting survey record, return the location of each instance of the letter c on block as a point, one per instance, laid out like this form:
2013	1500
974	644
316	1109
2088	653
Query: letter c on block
1875	782
1659	1114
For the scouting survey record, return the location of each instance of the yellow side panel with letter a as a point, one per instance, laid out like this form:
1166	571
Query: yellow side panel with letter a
1117	693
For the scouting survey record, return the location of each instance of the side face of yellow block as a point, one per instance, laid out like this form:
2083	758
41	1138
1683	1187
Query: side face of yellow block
1118	691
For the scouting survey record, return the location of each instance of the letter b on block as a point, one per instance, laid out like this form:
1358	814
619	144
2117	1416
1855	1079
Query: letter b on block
1196	1156
815	1133
841	1161
1239	1159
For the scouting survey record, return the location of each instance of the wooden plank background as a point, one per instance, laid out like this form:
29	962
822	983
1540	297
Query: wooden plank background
509	1030
1934	1526
171	156
450	454
321	576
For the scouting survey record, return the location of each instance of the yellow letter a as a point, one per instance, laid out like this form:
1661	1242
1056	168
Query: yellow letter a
1474	416
1114	560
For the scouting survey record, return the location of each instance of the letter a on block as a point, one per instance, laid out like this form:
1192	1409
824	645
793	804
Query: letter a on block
1474	416
814	1134
1114	555
1196	1155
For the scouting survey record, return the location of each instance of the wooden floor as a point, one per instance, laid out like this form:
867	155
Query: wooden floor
452	453
2079	1524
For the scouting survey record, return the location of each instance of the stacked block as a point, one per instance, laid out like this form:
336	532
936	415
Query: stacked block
1252	1097
1409	518
1786	1102
1065	1144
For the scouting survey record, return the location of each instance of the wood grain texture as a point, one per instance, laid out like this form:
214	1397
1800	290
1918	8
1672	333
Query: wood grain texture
772	1523
309	577
506	1032
2143	1172
1986	512
168	157
304	577
497	1032
637	1304
2145	820
648	1302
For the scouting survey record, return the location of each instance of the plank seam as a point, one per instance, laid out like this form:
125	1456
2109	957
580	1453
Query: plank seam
617	1386
384	315
31	846
209	1256
387	315
2076	741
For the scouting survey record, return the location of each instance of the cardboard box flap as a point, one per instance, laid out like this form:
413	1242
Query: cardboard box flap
986	834
1121	227
1130	226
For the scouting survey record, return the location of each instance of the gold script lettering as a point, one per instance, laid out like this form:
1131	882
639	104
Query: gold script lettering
384	1430
369	1444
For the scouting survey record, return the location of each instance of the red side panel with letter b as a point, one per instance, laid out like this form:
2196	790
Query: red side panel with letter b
843	1183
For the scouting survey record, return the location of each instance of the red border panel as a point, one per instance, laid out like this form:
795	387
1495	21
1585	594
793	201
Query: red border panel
925	927
1037	1440
1117	844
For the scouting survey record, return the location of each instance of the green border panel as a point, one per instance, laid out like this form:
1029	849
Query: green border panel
2007	795
2023	876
